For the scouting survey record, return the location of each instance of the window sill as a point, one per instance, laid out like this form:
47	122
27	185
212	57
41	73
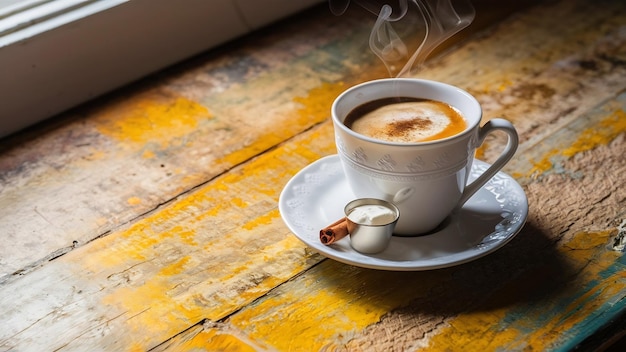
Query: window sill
62	60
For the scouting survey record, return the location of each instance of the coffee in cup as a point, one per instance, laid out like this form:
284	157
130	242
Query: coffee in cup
426	178
405	120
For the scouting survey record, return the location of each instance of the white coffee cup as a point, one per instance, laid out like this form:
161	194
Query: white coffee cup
425	180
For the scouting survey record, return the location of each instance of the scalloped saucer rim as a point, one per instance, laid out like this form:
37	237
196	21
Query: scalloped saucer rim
316	195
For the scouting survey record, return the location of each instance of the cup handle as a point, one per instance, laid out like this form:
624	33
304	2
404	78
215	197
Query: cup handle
492	125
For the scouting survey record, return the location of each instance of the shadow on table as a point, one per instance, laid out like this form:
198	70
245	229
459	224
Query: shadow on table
527	272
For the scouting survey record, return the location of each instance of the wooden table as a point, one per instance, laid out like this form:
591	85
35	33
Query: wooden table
148	219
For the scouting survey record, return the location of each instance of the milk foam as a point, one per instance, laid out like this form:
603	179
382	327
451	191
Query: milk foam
405	122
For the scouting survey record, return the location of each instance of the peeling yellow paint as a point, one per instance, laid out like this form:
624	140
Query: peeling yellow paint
202	232
136	347
215	340
476	330
309	327
133	201
163	310
175	268
327	305
205	231
239	202
497	85
544	164
585	243
313	109
148	154
316	105
216	209
488	325
504	85
187	236
150	117
601	134
262	220
480	152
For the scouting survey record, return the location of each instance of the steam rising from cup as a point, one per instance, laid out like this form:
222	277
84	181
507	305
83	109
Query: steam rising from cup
433	21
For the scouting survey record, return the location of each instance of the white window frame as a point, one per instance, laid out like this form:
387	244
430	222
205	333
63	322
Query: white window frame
55	54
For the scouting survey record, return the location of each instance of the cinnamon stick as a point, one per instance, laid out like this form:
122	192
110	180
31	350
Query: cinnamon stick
334	232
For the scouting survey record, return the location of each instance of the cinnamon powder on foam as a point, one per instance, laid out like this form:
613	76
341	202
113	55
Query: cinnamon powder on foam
409	122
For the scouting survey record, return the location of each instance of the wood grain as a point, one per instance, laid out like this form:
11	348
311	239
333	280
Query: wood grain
149	220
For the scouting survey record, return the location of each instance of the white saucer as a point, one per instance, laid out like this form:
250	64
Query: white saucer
315	197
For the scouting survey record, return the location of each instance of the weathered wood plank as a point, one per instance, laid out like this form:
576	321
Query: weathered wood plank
211	337
202	256
598	127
